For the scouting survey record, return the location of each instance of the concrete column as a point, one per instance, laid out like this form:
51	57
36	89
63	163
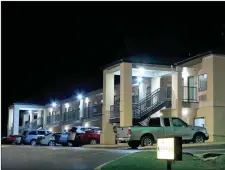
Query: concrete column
177	92
25	118
45	118
126	118
107	136
10	122
155	83
39	117
142	90
81	107
31	116
16	112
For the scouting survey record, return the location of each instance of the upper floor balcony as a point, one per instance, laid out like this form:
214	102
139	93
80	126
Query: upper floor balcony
92	111
189	94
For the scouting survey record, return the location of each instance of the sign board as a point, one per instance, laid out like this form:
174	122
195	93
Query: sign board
169	148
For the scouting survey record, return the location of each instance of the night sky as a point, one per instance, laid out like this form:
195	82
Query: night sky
53	50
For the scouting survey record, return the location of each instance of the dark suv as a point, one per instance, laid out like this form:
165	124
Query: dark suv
31	136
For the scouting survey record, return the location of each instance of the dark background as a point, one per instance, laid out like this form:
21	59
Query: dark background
53	50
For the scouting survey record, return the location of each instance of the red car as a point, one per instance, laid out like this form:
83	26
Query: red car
90	137
12	139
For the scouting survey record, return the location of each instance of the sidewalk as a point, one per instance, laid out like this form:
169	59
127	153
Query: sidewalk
116	146
125	145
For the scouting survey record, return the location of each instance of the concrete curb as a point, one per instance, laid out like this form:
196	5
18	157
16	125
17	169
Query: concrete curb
186	145
102	165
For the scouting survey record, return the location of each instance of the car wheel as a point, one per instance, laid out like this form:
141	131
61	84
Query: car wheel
51	143
14	143
70	144
199	138
93	142
133	144
33	143
147	141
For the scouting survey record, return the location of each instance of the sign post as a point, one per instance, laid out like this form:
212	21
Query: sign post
169	149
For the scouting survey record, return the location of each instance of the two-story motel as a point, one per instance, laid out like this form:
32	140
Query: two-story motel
194	89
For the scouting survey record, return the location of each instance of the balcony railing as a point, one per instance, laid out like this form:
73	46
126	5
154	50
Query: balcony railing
92	111
73	115
189	94
53	119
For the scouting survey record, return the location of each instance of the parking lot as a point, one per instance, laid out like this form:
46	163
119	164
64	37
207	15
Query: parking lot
77	158
36	158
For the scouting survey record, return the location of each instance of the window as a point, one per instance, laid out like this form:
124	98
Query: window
166	121
154	122
32	133
41	132
202	82
178	123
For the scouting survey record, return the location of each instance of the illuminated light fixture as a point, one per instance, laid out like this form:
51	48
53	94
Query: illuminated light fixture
139	79
79	96
141	71
66	128
50	129
67	105
86	100
53	104
86	124
29	111
50	109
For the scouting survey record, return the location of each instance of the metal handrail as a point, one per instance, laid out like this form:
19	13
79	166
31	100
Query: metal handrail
144	106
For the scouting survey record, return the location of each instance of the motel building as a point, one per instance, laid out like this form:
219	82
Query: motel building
193	89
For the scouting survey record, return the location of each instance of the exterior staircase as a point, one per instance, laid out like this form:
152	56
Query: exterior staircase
34	125
146	107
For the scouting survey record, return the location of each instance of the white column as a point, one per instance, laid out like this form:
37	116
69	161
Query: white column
126	118
31	116
155	83
10	122
81	107
45	118
107	136
16	112
39	117
177	92
142	90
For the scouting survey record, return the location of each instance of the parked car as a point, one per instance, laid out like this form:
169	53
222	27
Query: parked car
161	127
49	139
90	137
63	139
12	139
31	136
77	136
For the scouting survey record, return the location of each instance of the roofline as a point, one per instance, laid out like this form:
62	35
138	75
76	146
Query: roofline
117	62
192	58
88	94
18	103
196	57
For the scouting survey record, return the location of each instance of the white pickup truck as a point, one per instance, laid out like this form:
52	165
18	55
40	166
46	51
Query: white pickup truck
160	127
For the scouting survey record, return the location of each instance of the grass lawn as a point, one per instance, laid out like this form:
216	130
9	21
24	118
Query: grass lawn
148	161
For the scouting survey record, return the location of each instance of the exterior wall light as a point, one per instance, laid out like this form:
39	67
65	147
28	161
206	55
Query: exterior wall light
139	79
141	71
67	105
79	96
86	100
53	104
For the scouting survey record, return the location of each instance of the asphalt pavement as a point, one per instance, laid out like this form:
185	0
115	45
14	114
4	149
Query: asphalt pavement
57	158
71	158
